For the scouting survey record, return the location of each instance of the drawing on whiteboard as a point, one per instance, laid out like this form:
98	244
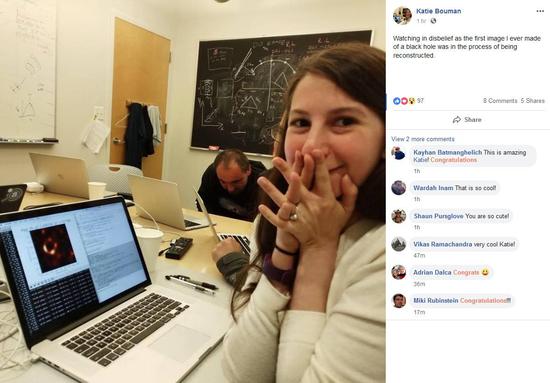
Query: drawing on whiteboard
17	86
25	110
32	65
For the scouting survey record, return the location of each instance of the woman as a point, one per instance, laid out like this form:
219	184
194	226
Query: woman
312	307
406	16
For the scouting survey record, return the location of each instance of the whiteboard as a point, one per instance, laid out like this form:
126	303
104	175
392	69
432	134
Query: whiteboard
27	70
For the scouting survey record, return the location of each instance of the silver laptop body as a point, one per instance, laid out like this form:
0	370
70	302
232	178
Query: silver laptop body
161	199
243	240
62	175
73	271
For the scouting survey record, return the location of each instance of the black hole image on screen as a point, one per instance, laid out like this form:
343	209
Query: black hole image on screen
53	247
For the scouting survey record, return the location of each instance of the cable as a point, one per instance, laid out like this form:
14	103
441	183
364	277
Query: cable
9	323
5	295
149	215
8	355
9	334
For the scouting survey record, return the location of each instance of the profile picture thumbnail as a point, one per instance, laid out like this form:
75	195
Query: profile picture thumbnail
397	153
398	244
53	247
398	272
399	301
398	187
398	216
402	15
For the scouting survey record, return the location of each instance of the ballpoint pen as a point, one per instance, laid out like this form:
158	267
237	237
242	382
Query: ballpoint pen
195	282
190	285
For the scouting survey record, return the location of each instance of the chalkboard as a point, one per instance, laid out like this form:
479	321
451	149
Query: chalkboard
241	83
27	70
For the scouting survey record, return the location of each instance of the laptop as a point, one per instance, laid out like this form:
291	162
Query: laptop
243	240
161	200
11	197
61	175
85	301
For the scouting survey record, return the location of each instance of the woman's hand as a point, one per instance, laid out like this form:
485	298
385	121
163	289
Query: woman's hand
286	203
318	222
320	217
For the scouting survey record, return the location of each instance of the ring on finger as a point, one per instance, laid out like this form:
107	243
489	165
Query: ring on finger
294	216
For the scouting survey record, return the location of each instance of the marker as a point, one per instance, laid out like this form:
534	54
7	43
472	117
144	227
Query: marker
195	282
190	285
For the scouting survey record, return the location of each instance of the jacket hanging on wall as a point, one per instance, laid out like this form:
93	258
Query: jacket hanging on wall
138	136
148	147
154	116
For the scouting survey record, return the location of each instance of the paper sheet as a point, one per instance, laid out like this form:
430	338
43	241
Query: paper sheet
94	135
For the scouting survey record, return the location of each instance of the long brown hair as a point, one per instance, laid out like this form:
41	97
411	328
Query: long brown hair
360	71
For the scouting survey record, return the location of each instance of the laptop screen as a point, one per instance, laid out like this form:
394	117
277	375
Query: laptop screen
67	261
206	214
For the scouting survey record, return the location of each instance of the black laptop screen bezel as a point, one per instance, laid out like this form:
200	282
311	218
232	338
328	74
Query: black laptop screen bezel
58	324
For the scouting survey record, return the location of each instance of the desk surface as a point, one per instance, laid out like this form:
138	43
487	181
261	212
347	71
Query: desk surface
196	263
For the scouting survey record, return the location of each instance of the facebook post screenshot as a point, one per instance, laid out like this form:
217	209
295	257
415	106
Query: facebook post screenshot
468	179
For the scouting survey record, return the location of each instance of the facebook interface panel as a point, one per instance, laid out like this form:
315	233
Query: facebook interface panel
468	180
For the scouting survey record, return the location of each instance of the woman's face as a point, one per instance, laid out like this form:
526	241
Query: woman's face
322	116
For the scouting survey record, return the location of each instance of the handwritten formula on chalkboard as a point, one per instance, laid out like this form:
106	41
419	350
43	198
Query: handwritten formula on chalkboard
241	85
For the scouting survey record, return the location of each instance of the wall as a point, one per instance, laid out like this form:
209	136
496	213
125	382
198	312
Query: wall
85	60
239	19
83	76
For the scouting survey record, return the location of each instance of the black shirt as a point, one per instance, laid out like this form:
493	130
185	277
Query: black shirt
218	201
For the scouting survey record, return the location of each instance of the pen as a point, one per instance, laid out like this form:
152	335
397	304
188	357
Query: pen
195	282
190	285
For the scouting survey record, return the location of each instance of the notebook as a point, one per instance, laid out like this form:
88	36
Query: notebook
243	240
11	197
85	301
161	199
62	175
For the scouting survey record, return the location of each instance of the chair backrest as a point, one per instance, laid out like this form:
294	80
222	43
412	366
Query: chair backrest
114	175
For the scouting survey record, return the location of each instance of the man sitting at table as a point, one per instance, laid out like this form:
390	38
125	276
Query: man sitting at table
228	186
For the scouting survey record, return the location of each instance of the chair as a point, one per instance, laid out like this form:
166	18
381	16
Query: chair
115	176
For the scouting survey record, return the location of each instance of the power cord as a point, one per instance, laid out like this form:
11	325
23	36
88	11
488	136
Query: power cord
11	355
149	215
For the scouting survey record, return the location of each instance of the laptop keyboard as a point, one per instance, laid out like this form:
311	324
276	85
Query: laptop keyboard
241	239
114	336
190	223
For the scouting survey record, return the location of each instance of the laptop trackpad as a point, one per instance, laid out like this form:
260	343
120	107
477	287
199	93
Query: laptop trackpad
179	343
